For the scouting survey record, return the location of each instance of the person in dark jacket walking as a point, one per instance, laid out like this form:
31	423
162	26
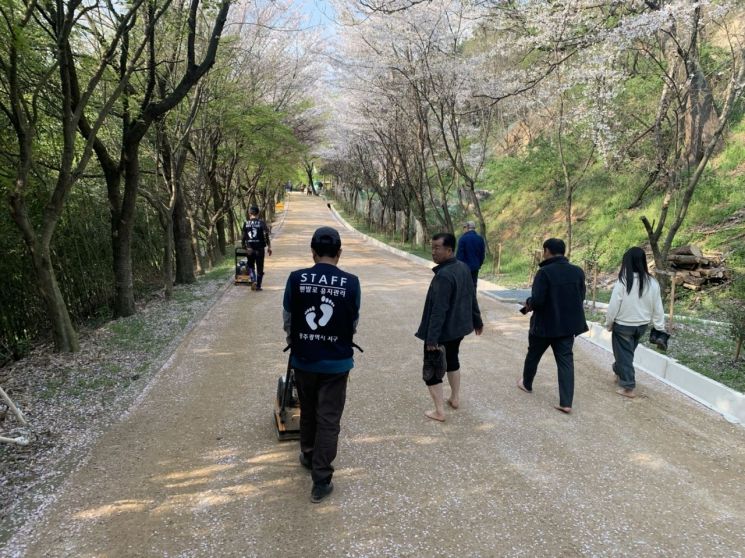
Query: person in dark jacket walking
321	309
471	250
557	303
451	312
256	238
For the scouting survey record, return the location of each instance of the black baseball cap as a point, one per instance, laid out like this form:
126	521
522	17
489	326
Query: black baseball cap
253	209
325	236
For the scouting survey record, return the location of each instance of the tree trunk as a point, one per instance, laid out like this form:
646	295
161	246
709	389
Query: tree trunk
64	334
198	267
182	240
446	215
122	223
477	210
221	239
463	204
122	263
232	227
217	203
211	239
309	173
406	235
168	250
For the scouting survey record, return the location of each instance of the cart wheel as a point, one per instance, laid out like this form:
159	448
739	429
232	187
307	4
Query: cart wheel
292	393
280	390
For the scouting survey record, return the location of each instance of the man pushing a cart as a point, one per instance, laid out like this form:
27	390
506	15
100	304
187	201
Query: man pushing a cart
321	309
255	238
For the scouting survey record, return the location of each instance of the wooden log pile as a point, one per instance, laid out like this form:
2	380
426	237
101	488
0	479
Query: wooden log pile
695	270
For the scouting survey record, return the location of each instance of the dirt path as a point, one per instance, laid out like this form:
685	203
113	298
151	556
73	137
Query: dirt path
195	469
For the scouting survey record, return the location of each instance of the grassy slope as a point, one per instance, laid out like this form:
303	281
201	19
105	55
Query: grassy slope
527	206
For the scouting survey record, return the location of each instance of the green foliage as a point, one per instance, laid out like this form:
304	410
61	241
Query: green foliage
250	113
81	251
221	269
734	308
526	206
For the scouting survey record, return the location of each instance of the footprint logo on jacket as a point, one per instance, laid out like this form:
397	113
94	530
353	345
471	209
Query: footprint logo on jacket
310	318
327	310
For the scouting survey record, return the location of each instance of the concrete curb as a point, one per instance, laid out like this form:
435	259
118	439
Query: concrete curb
718	397
378	243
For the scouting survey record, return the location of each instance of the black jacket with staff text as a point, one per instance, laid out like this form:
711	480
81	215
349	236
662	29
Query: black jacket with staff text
322	304
557	299
255	234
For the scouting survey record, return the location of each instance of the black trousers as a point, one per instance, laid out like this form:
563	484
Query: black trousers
562	348
475	277
259	256
322	398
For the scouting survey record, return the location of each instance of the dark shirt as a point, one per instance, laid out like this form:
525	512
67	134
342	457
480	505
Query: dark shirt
471	250
255	234
321	308
450	309
557	299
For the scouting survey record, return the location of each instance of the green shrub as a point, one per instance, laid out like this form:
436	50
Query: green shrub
734	308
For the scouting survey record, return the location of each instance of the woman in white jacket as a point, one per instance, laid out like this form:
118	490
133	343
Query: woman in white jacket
635	303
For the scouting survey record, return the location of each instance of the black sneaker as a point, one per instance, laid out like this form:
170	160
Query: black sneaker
306	461
320	491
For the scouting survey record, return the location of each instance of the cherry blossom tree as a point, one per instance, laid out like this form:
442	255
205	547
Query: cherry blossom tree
601	49
577	60
415	64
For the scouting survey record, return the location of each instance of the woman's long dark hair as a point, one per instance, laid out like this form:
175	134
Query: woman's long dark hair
634	261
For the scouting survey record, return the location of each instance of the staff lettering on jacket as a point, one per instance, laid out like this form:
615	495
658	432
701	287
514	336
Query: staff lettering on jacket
322	279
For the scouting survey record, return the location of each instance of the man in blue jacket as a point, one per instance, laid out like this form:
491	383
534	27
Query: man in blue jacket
321	309
557	303
471	250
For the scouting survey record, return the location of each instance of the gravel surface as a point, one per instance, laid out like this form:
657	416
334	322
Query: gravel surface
69	399
194	469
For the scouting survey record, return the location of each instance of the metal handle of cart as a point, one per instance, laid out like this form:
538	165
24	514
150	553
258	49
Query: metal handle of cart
287	411
290	377
289	381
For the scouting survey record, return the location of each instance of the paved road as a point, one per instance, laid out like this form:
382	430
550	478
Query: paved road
194	469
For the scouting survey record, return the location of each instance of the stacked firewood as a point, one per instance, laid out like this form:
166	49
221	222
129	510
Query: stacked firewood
695	270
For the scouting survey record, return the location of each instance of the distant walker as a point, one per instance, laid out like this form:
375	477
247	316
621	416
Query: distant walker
471	250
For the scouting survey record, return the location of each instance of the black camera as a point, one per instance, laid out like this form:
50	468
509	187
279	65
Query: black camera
524	310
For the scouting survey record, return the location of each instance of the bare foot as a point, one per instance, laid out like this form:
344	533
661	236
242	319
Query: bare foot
453	404
521	386
630	393
434	415
565	410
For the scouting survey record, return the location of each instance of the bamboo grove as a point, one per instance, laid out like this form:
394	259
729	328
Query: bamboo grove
132	138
